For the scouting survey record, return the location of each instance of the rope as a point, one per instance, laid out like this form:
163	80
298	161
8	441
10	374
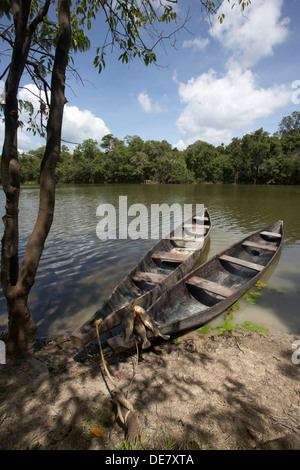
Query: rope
120	398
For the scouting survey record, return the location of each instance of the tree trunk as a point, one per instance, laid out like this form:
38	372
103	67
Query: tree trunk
21	327
16	286
236	177
44	220
9	163
10	169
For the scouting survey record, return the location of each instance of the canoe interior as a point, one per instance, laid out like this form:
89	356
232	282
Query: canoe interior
214	286
221	282
131	289
169	260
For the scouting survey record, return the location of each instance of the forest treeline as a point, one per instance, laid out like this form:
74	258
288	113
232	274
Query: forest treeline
255	158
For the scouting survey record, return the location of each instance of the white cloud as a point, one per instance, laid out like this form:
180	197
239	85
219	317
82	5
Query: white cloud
1	133
197	44
26	140
145	102
2	93
252	35
215	106
147	105
78	125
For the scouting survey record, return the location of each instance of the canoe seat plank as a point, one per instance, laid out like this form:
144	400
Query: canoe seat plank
185	239
149	277
271	234
259	246
171	256
201	218
211	286
242	262
197	226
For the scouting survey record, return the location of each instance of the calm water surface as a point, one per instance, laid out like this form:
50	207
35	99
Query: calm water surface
78	271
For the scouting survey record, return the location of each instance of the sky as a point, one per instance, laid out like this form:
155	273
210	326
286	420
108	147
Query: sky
217	82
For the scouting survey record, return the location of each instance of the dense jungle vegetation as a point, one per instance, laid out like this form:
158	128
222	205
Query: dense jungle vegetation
255	158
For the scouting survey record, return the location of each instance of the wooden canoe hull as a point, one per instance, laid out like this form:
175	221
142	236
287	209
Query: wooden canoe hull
214	286
159	268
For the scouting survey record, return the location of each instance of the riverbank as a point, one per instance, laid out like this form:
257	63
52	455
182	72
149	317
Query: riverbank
235	391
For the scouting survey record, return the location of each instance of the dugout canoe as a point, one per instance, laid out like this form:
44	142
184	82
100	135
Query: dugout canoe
169	260
214	286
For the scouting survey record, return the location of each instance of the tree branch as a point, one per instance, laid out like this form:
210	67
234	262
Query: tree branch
40	16
5	38
5	72
40	77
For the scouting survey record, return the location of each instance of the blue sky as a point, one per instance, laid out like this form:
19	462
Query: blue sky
218	82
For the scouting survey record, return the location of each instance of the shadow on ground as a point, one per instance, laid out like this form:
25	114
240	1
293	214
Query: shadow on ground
203	392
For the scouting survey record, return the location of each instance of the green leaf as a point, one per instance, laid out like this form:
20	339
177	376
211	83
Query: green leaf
229	316
219	330
235	306
260	285
249	326
228	326
204	329
249	299
175	340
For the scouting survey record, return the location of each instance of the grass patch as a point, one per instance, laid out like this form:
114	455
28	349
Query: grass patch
250	297
227	326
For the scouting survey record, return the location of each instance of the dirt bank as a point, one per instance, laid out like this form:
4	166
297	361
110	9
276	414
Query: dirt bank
205	391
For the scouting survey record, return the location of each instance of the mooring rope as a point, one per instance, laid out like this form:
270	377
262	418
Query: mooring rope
119	396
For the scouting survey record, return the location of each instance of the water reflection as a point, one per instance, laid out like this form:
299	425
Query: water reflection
78	271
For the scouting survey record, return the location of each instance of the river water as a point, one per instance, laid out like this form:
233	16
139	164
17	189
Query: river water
78	270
